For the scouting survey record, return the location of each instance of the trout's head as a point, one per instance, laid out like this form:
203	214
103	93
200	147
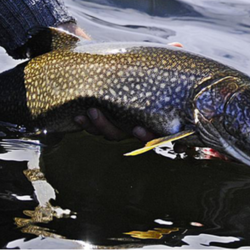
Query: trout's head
222	116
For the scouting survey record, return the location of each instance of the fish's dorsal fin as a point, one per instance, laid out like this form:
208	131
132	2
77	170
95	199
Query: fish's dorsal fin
160	141
45	39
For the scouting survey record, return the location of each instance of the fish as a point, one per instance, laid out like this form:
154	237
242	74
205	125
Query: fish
174	93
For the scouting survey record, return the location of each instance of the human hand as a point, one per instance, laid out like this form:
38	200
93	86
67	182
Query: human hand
96	123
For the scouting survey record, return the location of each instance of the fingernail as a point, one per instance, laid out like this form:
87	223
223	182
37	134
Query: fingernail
176	44
139	132
80	119
93	114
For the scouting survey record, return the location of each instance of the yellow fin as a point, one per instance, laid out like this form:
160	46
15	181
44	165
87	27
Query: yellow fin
160	141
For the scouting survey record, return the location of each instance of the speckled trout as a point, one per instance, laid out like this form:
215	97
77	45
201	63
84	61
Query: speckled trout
171	92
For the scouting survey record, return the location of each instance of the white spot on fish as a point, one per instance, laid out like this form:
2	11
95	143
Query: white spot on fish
174	126
125	88
173	79
178	89
112	92
133	99
90	92
120	73
167	98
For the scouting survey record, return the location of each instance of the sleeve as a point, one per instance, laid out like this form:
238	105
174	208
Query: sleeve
17	17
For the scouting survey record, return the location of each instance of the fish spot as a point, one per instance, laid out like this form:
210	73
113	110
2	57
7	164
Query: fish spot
112	92
141	74
192	77
125	88
89	92
120	73
173	79
167	99
178	89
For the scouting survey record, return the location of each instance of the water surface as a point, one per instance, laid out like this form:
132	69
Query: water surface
96	196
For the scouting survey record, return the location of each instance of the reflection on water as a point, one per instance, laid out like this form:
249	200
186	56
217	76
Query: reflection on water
157	233
83	192
111	200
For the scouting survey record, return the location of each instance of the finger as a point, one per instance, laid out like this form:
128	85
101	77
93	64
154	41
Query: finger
86	124
83	121
104	126
143	134
176	44
80	32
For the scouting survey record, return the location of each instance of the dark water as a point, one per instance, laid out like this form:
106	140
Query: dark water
82	192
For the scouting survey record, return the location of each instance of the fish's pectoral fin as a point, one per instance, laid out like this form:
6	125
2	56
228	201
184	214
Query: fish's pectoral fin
45	39
160	141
